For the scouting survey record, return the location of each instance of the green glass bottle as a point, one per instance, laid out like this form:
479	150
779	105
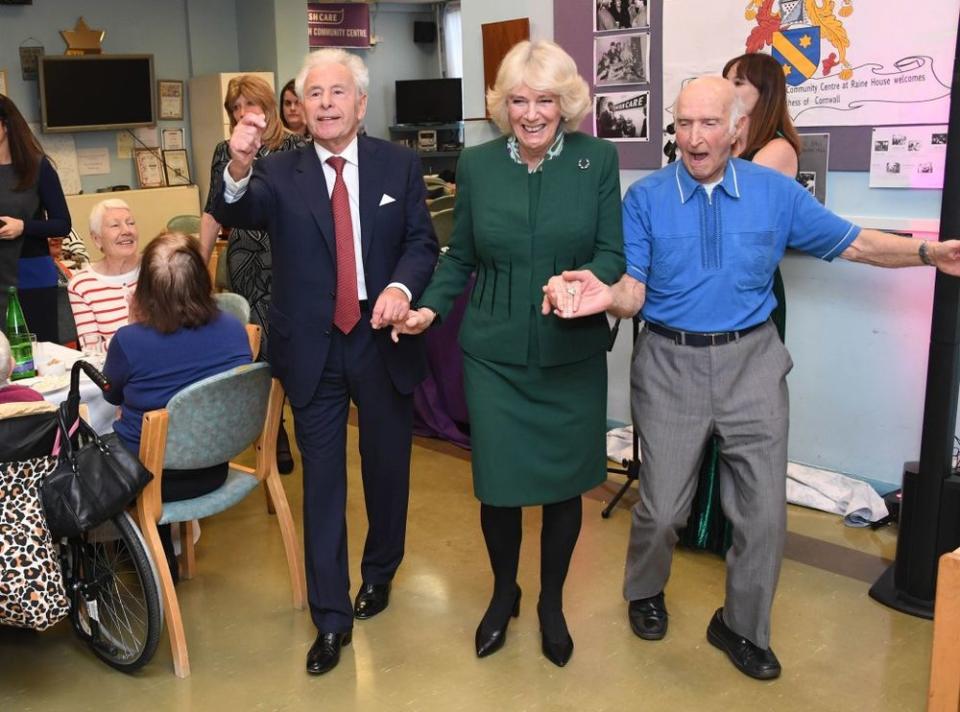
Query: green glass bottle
19	336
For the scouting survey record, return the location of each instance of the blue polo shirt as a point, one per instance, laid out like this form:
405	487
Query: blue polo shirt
708	261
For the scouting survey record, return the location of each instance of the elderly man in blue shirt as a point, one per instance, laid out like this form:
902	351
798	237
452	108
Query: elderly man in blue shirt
703	237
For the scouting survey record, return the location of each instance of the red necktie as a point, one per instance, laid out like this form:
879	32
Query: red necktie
346	309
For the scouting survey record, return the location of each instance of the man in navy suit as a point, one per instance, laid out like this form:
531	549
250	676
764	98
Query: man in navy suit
349	231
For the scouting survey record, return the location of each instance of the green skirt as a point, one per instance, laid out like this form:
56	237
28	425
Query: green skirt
538	434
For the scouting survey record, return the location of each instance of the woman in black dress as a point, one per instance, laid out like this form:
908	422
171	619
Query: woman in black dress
769	139
248	251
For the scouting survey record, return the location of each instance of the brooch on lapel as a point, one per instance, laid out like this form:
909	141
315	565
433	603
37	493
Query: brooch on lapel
583	164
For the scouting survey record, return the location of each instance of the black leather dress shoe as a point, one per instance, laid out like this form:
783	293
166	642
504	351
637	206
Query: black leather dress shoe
372	598
747	657
325	652
488	642
648	617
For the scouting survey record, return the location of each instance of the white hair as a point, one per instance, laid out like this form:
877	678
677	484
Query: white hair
332	55
737	112
4	359
737	109
98	210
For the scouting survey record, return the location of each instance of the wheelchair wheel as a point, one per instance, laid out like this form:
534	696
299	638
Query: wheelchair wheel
116	606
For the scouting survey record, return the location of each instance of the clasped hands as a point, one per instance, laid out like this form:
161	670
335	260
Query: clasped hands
575	293
572	294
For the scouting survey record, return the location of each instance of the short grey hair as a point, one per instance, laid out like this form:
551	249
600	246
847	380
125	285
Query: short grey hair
332	55
4	359
98	210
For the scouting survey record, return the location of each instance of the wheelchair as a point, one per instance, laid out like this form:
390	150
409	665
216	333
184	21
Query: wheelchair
110	578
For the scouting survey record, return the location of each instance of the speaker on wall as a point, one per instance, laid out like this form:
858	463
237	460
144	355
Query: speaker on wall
424	32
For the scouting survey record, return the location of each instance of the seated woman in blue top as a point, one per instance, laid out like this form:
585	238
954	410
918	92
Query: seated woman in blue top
176	336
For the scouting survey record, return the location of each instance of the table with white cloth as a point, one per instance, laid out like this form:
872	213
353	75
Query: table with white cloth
55	388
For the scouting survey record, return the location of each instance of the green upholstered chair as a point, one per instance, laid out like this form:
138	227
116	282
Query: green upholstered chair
233	304
209	422
188	224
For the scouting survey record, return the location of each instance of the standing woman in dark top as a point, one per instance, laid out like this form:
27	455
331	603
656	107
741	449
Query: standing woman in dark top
32	208
769	139
248	251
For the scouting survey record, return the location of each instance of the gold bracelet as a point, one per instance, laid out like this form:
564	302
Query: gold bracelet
924	256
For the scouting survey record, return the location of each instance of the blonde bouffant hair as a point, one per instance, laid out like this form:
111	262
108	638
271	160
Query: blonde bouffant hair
259	92
545	67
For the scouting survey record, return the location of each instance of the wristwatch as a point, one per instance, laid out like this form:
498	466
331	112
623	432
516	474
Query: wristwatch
924	255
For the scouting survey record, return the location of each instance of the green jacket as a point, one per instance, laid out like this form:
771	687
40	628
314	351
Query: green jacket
577	225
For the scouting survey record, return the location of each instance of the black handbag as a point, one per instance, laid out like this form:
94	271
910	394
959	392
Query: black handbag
96	477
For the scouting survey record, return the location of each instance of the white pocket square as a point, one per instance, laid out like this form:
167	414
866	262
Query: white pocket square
386	200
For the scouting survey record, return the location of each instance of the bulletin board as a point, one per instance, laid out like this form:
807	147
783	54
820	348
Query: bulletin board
903	77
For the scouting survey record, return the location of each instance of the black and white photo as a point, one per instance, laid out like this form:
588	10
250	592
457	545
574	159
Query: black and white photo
938	139
808	179
620	15
622	116
621	59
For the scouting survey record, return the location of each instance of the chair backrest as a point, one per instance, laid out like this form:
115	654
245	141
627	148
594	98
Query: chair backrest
443	226
233	303
216	419
189	224
27	430
443	203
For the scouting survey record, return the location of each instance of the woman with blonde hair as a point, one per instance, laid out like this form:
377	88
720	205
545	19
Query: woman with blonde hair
542	197
248	251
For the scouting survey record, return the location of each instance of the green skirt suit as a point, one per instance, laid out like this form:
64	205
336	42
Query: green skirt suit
536	386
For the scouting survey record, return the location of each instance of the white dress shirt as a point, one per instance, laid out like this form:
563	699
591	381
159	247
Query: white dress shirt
234	190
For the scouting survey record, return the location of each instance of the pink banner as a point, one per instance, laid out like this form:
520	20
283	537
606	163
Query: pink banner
338	24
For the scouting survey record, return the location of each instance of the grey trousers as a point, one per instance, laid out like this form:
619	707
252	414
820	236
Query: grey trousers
680	396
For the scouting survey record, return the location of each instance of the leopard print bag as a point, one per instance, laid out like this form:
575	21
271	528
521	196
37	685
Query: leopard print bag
32	593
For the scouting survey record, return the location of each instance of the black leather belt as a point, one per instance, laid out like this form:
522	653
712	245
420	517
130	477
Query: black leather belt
694	338
364	305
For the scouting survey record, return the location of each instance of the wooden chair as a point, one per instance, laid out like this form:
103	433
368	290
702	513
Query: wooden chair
442	203
443	226
212	421
944	693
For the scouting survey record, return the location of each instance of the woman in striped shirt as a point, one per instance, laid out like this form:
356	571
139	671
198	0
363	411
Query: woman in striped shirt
100	294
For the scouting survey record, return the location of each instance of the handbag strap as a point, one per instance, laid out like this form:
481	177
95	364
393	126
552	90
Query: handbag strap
56	439
67	435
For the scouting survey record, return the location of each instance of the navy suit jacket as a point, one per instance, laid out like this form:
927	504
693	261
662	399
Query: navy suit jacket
287	196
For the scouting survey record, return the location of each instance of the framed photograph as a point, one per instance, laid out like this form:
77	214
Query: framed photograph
171	139
170	95
177	167
3	82
150	173
614	15
621	59
622	116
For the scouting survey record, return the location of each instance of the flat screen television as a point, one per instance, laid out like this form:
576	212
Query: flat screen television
96	92
429	101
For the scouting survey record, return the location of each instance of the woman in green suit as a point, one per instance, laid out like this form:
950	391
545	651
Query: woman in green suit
530	204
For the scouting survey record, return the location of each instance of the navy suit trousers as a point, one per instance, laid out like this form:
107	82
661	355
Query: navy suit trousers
354	370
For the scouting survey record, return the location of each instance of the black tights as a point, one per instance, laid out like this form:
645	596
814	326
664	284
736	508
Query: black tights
502	531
